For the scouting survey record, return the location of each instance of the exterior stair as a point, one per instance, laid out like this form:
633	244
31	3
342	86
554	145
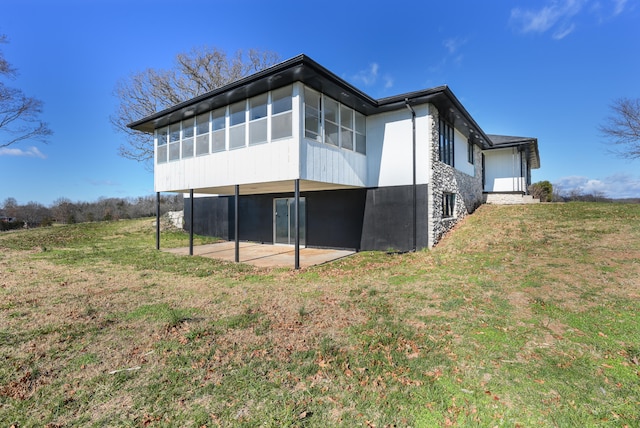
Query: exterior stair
509	199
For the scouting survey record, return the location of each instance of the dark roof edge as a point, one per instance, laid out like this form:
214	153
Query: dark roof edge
300	60
442	93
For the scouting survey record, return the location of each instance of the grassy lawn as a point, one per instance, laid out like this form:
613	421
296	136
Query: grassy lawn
524	316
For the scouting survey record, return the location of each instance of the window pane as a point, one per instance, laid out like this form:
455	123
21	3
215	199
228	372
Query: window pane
162	154
258	131
187	147
331	133
346	117
237	113
162	136
281	100
361	123
217	119
218	143
258	107
312	123
202	124
281	126
202	144
361	144
174	132
330	110
174	151
187	128
346	138
236	137
312	115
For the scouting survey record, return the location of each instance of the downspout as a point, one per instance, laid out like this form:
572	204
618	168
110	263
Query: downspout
522	179
415	215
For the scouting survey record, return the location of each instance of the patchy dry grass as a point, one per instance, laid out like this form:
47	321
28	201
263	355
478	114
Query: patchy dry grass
526	315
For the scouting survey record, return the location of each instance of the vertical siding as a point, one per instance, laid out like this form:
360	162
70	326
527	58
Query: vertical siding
503	171
329	164
461	154
273	161
390	147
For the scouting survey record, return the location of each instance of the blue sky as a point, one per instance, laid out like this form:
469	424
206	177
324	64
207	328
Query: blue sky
547	69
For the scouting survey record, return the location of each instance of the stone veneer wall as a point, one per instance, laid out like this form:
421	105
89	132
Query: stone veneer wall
447	179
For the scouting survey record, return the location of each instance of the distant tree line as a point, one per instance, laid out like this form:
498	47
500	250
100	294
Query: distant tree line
64	211
544	191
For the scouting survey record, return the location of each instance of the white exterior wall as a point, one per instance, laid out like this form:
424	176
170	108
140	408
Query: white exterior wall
275	161
503	170
390	147
461	155
388	161
329	164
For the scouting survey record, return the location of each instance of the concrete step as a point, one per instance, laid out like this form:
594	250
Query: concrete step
509	199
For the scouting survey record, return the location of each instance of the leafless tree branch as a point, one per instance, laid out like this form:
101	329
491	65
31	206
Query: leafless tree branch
18	113
196	72
622	127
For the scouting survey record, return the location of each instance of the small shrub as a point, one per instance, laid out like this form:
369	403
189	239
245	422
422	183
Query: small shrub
542	190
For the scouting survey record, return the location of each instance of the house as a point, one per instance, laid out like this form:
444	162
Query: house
294	154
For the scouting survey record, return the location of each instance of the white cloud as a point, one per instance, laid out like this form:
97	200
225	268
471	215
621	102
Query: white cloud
388	82
564	32
619	6
620	185
368	76
559	16
454	44
32	152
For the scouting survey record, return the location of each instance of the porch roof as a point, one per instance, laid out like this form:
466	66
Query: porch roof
505	141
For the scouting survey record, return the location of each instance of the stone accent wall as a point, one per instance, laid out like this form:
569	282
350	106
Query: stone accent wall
447	179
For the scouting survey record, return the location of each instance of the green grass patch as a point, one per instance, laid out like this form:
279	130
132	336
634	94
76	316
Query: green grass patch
524	316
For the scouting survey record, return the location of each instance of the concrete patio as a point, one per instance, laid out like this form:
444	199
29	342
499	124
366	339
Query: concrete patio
264	255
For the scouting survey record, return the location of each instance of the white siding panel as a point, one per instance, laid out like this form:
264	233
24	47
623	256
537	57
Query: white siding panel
390	147
502	171
329	164
275	161
461	155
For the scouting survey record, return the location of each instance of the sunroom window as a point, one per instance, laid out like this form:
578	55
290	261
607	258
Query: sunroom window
281	105
162	135
218	130
312	118
331	121
346	128
187	137
237	119
174	141
202	134
258	119
361	133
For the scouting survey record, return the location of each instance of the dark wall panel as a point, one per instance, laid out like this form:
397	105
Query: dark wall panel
211	216
388	218
360	219
334	218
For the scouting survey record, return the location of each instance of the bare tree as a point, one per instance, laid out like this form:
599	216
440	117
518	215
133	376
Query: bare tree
195	73
622	127
18	113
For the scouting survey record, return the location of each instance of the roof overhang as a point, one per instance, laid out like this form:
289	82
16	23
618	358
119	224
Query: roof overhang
303	69
526	144
285	186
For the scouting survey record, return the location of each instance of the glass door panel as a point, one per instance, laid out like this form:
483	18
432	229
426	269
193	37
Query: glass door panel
285	221
281	214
